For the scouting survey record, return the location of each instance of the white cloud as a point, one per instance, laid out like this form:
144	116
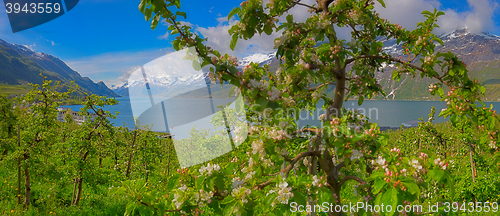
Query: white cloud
407	13
52	42
219	38
164	37
479	19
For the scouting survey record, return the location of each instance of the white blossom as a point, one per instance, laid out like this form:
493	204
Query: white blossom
315	181
316	95
492	145
209	169
356	154
380	160
257	147
241	193
414	163
273	94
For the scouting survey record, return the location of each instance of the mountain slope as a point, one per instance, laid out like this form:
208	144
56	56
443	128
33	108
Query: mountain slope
481	53
20	65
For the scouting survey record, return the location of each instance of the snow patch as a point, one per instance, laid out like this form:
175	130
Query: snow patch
257	58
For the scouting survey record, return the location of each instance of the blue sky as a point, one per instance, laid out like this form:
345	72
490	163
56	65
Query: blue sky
105	39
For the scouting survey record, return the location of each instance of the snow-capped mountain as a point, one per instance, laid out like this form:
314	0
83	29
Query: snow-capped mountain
461	41
170	85
260	58
170	81
479	51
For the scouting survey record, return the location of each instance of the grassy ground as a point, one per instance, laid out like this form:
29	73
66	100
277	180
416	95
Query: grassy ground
14	89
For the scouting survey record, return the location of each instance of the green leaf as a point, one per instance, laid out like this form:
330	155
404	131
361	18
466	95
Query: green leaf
142	5
262	102
378	186
129	210
233	12
440	13
229	208
299	198
180	13
381	2
268	29
412	187
395	75
454	119
426	12
438	40
289	18
172	182
390	197
219	182
147	13
451	72
175	44
155	21
451	185
227	200
232	44
360	100
440	92
196	65
325	195
252	22
482	89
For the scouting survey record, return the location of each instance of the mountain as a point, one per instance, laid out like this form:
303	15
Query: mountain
259	58
21	65
165	86
480	52
190	86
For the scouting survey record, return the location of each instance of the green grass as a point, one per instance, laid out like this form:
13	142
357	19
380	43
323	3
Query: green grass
6	89
492	92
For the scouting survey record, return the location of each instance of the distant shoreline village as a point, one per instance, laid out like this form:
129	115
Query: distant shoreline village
74	115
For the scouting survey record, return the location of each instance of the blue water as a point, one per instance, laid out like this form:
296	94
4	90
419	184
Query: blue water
384	113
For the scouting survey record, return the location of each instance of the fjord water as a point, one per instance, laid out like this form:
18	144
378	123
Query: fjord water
383	112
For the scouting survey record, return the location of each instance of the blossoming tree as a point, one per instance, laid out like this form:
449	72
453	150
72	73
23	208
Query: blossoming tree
284	166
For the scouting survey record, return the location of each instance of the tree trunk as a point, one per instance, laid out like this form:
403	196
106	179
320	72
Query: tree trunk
131	156
18	167
335	109
472	163
27	185
312	168
74	191
79	191
80	180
